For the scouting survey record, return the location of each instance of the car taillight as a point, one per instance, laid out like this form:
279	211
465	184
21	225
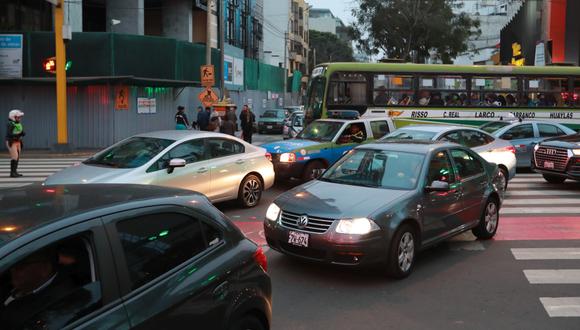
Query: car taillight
268	156
260	259
511	149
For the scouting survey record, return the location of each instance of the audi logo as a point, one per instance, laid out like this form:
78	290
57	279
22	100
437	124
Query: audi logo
550	152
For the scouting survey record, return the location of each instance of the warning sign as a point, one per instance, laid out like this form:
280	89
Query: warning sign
207	75
208	97
122	98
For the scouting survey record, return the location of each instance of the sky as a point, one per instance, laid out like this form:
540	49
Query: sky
340	8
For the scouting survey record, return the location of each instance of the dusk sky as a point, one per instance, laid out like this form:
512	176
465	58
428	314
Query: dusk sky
340	8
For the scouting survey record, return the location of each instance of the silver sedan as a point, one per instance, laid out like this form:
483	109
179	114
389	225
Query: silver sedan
220	166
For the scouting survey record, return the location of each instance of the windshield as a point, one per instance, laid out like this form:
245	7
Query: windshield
408	134
131	153
493	126
320	131
377	168
273	114
315	95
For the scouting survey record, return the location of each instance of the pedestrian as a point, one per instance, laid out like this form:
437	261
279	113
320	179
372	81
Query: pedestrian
14	134
247	120
215	121
181	122
231	115
203	119
194	124
228	127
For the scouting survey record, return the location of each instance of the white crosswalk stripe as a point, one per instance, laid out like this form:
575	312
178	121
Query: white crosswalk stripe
34	170
554	306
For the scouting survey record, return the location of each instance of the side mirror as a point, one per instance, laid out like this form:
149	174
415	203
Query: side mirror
438	186
174	163
317	173
507	136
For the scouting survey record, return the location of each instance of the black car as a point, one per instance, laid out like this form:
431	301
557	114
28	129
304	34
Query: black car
558	159
112	256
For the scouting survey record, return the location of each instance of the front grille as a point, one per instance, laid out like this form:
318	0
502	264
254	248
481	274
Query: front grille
315	225
559	156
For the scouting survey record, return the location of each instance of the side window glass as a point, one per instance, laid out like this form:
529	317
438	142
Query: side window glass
547	130
52	287
155	244
223	147
474	139
453	137
440	169
525	131
191	151
466	164
353	133
379	128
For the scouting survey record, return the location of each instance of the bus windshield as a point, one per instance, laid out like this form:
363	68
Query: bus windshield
315	97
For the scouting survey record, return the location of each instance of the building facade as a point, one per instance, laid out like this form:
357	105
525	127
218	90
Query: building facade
322	20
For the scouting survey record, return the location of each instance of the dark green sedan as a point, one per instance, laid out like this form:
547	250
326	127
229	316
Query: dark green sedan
382	202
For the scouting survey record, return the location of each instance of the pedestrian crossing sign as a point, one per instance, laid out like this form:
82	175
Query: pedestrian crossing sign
207	75
208	97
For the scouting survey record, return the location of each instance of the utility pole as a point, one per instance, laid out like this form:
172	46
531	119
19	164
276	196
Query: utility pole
208	33
61	110
285	67
222	50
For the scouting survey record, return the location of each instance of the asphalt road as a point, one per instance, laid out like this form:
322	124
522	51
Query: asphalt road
461	284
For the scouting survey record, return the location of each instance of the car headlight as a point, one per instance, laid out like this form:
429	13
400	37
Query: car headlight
536	147
287	157
273	212
357	226
576	152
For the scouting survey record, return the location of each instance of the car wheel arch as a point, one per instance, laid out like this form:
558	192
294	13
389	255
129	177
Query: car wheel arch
411	222
252	306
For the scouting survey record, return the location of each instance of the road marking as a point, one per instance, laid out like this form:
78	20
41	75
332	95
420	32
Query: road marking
13	185
23	179
546	253
553	276
522	185
538	228
27	173
561	307
540	210
47	159
541	193
540	201
529	179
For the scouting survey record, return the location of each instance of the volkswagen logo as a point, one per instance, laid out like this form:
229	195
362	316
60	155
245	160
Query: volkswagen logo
302	221
550	152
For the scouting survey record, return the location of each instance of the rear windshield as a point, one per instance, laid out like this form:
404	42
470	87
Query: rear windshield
493	126
273	114
408	134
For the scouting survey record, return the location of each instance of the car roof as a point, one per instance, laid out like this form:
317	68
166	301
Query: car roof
414	146
359	120
437	128
181	134
28	208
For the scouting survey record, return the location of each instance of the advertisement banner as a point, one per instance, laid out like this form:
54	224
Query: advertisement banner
11	55
146	105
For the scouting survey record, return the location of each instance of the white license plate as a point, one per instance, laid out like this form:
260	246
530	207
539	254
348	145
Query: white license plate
269	127
298	239
549	165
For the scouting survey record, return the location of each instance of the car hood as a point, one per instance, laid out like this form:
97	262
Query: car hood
89	174
288	145
568	141
270	120
337	201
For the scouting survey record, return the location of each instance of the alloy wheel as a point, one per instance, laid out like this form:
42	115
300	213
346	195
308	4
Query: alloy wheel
491	217
251	192
406	251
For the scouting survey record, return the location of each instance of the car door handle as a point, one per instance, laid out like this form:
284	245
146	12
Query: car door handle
240	161
221	289
202	170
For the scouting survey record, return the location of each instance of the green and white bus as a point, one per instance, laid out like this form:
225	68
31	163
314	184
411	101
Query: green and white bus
431	93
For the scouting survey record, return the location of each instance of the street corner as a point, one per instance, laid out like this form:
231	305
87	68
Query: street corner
253	230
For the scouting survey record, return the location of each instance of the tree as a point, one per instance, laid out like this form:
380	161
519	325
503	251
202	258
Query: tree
329	48
399	27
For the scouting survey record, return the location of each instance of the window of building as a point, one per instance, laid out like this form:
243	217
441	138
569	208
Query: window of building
467	165
392	90
231	25
348	88
545	92
156	244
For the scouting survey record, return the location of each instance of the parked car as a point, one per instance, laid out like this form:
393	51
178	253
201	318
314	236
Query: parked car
220	166
383	202
321	143
126	256
272	121
558	159
292	109
293	125
525	135
492	149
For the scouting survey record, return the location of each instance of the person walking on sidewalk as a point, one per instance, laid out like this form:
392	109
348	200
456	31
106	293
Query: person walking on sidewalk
247	120
181	122
14	134
203	119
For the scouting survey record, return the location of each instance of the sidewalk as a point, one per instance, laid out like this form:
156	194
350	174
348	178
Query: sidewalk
257	139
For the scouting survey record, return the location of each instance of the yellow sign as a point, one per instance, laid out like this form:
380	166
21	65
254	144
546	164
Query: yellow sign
122	98
207	75
208	97
517	57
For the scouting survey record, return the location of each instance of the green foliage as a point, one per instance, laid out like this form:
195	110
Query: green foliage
329	48
398	27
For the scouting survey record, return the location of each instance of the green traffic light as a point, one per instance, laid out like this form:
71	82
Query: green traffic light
67	65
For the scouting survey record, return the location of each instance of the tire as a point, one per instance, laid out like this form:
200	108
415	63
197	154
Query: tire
489	220
554	178
402	252
505	175
307	173
250	191
248	322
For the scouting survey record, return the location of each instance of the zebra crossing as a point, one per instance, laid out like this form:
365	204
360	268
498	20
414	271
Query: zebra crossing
34	170
555	306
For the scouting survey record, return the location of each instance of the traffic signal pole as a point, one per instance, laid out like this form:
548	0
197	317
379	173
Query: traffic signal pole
61	110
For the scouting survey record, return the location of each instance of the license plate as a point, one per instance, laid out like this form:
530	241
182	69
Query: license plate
269	127
298	239
548	164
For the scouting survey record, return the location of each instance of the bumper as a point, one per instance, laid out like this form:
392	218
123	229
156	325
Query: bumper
288	170
572	169
277	128
330	247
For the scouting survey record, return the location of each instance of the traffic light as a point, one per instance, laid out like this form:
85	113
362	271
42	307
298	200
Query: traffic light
49	65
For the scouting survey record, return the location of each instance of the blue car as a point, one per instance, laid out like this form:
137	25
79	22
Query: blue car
525	135
321	143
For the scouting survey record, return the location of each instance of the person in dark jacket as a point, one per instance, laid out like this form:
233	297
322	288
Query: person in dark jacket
228	127
203	119
181	122
247	120
231	115
14	134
